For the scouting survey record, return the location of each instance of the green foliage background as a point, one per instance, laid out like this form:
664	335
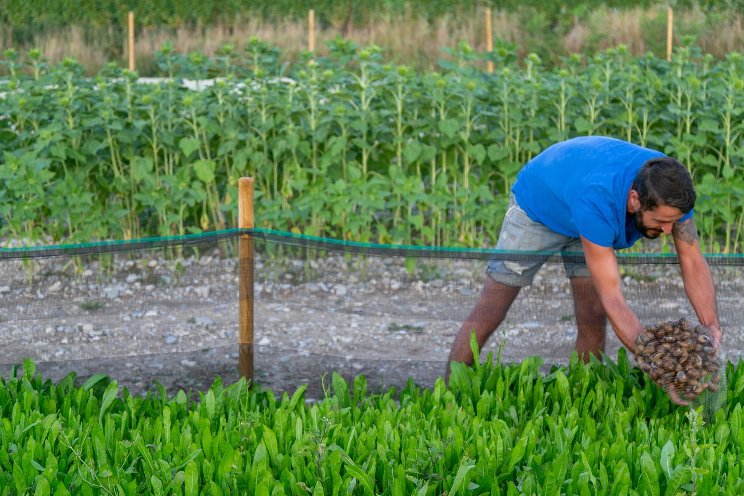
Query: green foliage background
346	146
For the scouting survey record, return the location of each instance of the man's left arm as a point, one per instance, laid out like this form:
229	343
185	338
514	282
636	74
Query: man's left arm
696	276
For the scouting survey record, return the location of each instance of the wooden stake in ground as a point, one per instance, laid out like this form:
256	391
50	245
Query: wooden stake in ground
489	39
131	41
245	262
311	30
670	33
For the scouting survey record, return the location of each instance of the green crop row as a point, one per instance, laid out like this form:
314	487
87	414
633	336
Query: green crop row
600	429
345	146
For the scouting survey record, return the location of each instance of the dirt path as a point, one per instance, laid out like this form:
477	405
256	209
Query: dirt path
141	323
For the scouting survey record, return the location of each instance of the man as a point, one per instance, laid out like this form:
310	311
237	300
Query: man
593	194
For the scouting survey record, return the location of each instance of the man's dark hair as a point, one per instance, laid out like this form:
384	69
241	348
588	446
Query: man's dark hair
664	181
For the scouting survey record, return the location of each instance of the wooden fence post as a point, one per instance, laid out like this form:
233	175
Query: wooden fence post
311	30
670	32
245	264
489	38
131	41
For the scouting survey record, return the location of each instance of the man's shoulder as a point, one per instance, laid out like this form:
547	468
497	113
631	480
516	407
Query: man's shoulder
600	144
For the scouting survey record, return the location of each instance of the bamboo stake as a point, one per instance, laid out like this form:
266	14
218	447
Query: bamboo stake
670	32
489	38
311	30
131	41
245	256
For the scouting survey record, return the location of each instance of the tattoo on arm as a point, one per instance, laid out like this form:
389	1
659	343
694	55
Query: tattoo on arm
685	231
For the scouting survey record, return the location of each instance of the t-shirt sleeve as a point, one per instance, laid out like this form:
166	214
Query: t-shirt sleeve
594	220
688	215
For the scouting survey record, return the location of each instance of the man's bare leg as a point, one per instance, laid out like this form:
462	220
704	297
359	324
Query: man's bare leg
591	319
489	311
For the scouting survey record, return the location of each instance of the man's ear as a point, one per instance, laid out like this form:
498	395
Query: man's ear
634	203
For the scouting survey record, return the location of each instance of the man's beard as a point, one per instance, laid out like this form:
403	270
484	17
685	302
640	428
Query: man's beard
642	228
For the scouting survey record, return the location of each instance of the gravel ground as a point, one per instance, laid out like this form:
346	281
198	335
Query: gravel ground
144	320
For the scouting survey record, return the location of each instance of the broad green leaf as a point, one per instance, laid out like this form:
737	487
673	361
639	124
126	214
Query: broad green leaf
177	481
564	390
497	153
460	477
209	402
355	470
188	146
7	136
667	456
157	485
204	170
190	458
449	127
144	452
583	126
42	487
478	152
142	168
29	369
62	491
191	480
297	398
341	389
557	474
621	483
19	479
272	447
649	476
412	151
681	476
604	479
93	380
709	125
109	395
475	349
517	452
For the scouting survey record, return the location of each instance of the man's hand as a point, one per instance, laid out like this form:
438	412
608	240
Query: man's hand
717	335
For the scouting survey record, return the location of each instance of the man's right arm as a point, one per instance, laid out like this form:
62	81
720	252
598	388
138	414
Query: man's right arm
605	273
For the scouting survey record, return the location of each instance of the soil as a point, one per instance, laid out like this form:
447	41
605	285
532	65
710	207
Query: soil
148	320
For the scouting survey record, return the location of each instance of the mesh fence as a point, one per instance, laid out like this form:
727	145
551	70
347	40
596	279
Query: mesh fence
165	310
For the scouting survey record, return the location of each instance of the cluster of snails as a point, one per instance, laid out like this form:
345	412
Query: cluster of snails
679	355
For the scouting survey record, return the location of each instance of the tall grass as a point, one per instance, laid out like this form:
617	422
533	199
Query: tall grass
408	38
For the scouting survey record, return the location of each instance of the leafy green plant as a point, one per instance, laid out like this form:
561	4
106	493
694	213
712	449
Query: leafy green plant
347	145
600	428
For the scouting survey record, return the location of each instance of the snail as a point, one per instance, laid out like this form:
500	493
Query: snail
680	355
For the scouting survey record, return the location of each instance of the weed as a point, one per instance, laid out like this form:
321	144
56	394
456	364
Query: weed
92	305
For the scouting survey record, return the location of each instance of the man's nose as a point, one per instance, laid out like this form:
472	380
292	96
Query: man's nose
667	227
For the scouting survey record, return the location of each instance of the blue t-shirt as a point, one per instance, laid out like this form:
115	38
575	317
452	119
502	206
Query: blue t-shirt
580	187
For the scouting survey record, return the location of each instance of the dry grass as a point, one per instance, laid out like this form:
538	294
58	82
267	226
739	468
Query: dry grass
727	37
407	39
611	28
68	43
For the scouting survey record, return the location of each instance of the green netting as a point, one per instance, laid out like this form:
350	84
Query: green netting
293	239
166	309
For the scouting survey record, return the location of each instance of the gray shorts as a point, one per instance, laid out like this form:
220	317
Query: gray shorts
520	233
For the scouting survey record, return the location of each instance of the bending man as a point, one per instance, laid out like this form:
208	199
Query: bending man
593	194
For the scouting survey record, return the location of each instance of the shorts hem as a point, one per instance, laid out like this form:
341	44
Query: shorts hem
507	279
